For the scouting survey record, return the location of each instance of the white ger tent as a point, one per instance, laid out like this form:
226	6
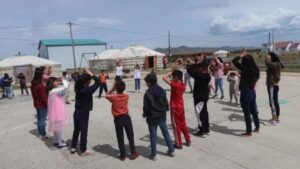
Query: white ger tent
26	64
107	59
221	53
139	54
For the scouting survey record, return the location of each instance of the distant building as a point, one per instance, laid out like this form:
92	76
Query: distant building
60	50
295	47
284	46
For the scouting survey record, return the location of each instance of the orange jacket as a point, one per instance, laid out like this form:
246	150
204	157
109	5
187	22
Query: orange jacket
119	105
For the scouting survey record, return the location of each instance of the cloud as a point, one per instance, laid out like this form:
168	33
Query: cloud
253	23
98	21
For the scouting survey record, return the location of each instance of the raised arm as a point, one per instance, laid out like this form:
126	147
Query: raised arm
237	64
166	77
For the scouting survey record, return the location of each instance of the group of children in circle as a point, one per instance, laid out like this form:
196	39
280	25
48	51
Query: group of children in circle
49	101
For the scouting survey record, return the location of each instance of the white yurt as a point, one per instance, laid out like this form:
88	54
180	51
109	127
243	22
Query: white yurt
107	59
132	55
26	64
141	55
221	53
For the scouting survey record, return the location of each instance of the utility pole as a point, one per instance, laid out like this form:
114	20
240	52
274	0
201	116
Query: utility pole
169	39
72	41
273	38
269	44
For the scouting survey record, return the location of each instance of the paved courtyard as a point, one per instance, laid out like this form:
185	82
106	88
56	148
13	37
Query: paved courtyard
275	147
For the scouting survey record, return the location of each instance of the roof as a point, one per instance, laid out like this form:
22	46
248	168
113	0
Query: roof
221	52
295	45
282	44
25	60
68	42
108	54
138	51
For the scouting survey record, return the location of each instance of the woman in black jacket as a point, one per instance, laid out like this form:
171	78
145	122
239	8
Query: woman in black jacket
249	77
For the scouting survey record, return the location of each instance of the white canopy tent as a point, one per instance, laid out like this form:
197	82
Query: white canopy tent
221	53
26	64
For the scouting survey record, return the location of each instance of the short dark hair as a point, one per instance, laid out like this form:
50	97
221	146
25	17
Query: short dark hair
120	86
151	79
64	73
177	73
232	74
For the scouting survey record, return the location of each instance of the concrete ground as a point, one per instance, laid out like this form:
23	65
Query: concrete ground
275	147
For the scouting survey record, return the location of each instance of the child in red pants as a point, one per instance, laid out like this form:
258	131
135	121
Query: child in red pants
177	108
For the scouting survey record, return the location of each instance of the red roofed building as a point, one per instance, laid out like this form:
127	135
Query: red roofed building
295	47
282	46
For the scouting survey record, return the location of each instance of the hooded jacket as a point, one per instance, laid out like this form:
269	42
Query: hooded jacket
155	103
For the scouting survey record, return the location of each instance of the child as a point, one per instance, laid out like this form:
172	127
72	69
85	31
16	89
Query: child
40	101
83	106
65	81
137	77
154	110
199	72
102	78
57	111
177	107
122	119
233	81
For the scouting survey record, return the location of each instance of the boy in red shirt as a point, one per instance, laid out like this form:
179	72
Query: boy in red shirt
177	108
122	119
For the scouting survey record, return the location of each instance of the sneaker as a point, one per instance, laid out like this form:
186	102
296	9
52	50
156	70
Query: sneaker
177	147
206	133
73	151
271	123
277	121
222	97
246	134
63	145
68	102
151	157
122	157
256	130
188	143
86	153
214	96
134	156
199	133
171	154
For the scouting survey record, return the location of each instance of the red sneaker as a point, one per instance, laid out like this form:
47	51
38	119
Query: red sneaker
246	134
256	130
122	158
134	156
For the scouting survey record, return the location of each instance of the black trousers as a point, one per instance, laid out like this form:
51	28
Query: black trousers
23	87
81	121
124	122
273	99
203	116
101	87
249	106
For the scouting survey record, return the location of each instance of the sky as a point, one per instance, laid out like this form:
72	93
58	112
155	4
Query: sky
194	23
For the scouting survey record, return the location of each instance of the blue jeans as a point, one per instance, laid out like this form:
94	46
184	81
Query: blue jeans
41	120
152	125
137	84
219	84
248	103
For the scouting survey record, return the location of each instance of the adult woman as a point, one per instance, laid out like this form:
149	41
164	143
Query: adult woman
249	77
8	86
218	74
273	77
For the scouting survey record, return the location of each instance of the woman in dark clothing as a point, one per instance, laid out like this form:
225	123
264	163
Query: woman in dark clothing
83	106
249	77
274	67
23	86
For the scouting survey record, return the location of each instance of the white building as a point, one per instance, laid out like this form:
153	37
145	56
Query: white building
26	64
60	50
221	53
